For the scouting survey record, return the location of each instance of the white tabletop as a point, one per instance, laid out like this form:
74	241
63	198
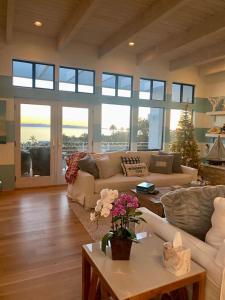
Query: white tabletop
143	272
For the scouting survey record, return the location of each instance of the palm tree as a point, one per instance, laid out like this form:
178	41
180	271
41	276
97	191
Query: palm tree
113	128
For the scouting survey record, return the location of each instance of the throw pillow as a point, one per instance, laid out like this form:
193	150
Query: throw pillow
88	164
216	235
135	169
191	209
129	160
161	164
176	168
105	166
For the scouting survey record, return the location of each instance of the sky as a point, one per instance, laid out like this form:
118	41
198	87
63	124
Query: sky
118	115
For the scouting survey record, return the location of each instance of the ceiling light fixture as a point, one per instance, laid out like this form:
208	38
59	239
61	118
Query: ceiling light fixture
38	23
131	44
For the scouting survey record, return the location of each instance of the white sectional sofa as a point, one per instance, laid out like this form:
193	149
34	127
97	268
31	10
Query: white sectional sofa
86	188
202	253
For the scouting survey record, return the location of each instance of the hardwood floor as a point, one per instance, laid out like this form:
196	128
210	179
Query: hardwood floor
40	246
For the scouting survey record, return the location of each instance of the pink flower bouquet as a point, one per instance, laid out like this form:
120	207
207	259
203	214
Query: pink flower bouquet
122	209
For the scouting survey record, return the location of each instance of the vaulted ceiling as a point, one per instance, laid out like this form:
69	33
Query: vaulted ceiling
185	32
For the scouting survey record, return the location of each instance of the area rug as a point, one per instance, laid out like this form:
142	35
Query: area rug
95	231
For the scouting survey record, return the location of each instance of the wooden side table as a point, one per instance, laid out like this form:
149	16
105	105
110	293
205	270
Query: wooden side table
140	278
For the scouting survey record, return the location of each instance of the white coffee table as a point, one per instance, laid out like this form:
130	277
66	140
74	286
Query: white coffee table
141	277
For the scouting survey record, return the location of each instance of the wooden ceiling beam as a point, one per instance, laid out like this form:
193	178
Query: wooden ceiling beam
199	57
10	9
212	68
204	29
74	23
154	13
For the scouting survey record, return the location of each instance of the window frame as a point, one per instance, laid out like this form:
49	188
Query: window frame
151	88
33	63
76	79
117	75
181	84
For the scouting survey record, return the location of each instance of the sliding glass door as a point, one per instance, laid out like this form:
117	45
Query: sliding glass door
46	134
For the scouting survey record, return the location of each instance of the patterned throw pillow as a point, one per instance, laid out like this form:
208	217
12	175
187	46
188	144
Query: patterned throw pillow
136	169
129	160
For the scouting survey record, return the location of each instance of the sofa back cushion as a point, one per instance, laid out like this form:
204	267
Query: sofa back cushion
191	209
105	166
115	158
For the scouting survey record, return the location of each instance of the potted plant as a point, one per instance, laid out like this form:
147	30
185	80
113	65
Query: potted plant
122	209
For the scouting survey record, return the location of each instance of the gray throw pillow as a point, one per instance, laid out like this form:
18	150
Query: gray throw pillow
88	164
161	164
191	209
176	160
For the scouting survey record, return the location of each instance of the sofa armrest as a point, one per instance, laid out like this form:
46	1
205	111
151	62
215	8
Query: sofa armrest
82	188
188	170
201	252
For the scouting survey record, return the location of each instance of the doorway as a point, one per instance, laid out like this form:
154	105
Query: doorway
46	134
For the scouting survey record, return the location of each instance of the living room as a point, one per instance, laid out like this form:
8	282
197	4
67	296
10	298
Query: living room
96	77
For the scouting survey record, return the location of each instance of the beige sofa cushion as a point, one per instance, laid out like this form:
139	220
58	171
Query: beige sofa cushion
115	157
168	179
105	166
124	183
117	182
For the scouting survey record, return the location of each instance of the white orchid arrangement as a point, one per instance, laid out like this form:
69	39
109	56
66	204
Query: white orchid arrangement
104	204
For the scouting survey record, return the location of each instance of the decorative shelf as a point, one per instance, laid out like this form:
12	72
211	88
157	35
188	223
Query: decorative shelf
214	135
216	113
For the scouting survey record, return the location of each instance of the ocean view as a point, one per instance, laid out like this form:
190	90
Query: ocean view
42	131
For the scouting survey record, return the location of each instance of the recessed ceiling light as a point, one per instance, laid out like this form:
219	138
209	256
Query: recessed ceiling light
131	44
38	23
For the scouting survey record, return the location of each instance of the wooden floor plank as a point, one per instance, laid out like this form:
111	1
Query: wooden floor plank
40	246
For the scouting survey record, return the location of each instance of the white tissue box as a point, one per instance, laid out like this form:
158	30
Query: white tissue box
176	260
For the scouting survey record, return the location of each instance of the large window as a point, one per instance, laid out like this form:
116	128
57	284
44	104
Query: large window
44	76
150	128
115	131
67	79
117	85
151	89
76	80
182	92
108	84
30	74
85	80
22	73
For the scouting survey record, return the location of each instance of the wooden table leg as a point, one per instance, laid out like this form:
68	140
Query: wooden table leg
86	277
94	286
199	289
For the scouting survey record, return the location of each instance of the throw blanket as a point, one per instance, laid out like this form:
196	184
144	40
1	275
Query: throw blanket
72	164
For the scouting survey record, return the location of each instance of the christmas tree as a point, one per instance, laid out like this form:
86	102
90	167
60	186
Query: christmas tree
185	142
